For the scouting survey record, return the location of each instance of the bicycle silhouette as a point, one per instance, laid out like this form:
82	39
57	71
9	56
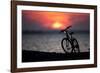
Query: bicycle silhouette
69	43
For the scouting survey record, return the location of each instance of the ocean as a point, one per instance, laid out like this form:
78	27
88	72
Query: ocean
51	42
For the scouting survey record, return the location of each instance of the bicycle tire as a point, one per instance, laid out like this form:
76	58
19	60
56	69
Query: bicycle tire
75	46
68	42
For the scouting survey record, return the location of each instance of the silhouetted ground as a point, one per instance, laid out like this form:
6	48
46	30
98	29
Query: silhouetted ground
36	56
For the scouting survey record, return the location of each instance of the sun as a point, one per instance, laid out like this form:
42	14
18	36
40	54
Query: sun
57	25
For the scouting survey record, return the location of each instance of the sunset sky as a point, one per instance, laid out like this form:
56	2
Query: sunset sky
43	20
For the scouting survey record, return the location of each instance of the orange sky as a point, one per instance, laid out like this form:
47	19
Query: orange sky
54	20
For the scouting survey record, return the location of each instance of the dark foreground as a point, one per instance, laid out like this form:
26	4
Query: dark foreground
36	56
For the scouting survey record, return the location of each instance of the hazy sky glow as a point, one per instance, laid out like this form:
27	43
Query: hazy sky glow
43	20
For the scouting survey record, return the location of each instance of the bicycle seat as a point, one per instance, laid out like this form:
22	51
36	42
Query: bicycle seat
71	33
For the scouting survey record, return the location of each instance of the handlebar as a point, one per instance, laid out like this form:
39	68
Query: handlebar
66	29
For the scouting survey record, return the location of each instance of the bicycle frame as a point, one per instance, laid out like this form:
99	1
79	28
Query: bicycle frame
68	35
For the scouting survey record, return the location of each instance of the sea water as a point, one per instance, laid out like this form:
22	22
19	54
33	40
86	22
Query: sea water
51	42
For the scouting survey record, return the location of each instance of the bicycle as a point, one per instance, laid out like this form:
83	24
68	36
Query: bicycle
69	43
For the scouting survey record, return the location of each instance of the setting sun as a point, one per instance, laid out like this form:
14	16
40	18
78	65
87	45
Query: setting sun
57	25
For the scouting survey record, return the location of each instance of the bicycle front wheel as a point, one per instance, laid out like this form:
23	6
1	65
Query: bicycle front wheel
66	45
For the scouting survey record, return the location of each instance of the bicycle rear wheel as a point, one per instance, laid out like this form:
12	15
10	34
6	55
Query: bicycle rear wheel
66	45
76	46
